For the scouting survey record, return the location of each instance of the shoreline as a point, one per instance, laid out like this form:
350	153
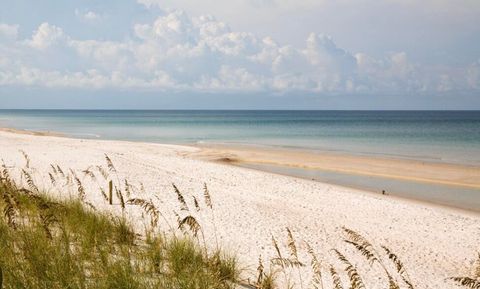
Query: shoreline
252	157
31	132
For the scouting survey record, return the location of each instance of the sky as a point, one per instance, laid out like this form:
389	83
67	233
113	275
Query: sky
240	54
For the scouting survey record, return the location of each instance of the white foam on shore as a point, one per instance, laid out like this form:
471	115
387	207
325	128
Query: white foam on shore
84	135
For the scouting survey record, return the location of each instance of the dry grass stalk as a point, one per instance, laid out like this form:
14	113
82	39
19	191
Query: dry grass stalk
362	245
90	205
337	282
27	159
80	188
181	199
110	165
365	250
294	254
120	198
399	267
60	171
282	261
264	280
46	221
260	273
148	207
286	263
68	179
368	251
207	196
5	173
356	281
195	228
291	245
391	283
30	182
179	221
467	282
197	205
103	172
89	173
128	189
209	203
10	209
104	194
192	223
316	268
52	179
277	249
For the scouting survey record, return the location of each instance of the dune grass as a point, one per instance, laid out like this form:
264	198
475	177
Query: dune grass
51	244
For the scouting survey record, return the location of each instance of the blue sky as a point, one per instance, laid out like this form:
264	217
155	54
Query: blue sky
311	54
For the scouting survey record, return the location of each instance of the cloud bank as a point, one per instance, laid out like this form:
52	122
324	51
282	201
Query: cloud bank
176	52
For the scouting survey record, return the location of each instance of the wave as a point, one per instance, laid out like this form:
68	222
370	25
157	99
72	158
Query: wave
79	134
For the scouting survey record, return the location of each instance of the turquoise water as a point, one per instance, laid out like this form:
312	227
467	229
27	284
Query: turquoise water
445	136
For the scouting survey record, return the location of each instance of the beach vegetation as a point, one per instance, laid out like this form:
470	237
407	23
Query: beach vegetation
51	243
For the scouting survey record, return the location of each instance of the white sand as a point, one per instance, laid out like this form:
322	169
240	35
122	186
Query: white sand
250	206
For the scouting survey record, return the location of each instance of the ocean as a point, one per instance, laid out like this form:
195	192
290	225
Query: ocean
434	136
443	136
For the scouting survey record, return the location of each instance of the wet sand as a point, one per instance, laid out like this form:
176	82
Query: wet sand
30	132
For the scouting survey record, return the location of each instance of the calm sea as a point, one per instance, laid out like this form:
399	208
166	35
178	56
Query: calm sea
443	136
446	136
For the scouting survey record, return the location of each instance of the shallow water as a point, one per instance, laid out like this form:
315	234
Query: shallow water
454	196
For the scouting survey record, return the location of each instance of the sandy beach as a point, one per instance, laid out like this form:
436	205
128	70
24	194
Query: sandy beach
250	206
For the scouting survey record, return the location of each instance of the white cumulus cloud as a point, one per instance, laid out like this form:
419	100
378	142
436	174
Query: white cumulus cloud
45	36
87	16
179	52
